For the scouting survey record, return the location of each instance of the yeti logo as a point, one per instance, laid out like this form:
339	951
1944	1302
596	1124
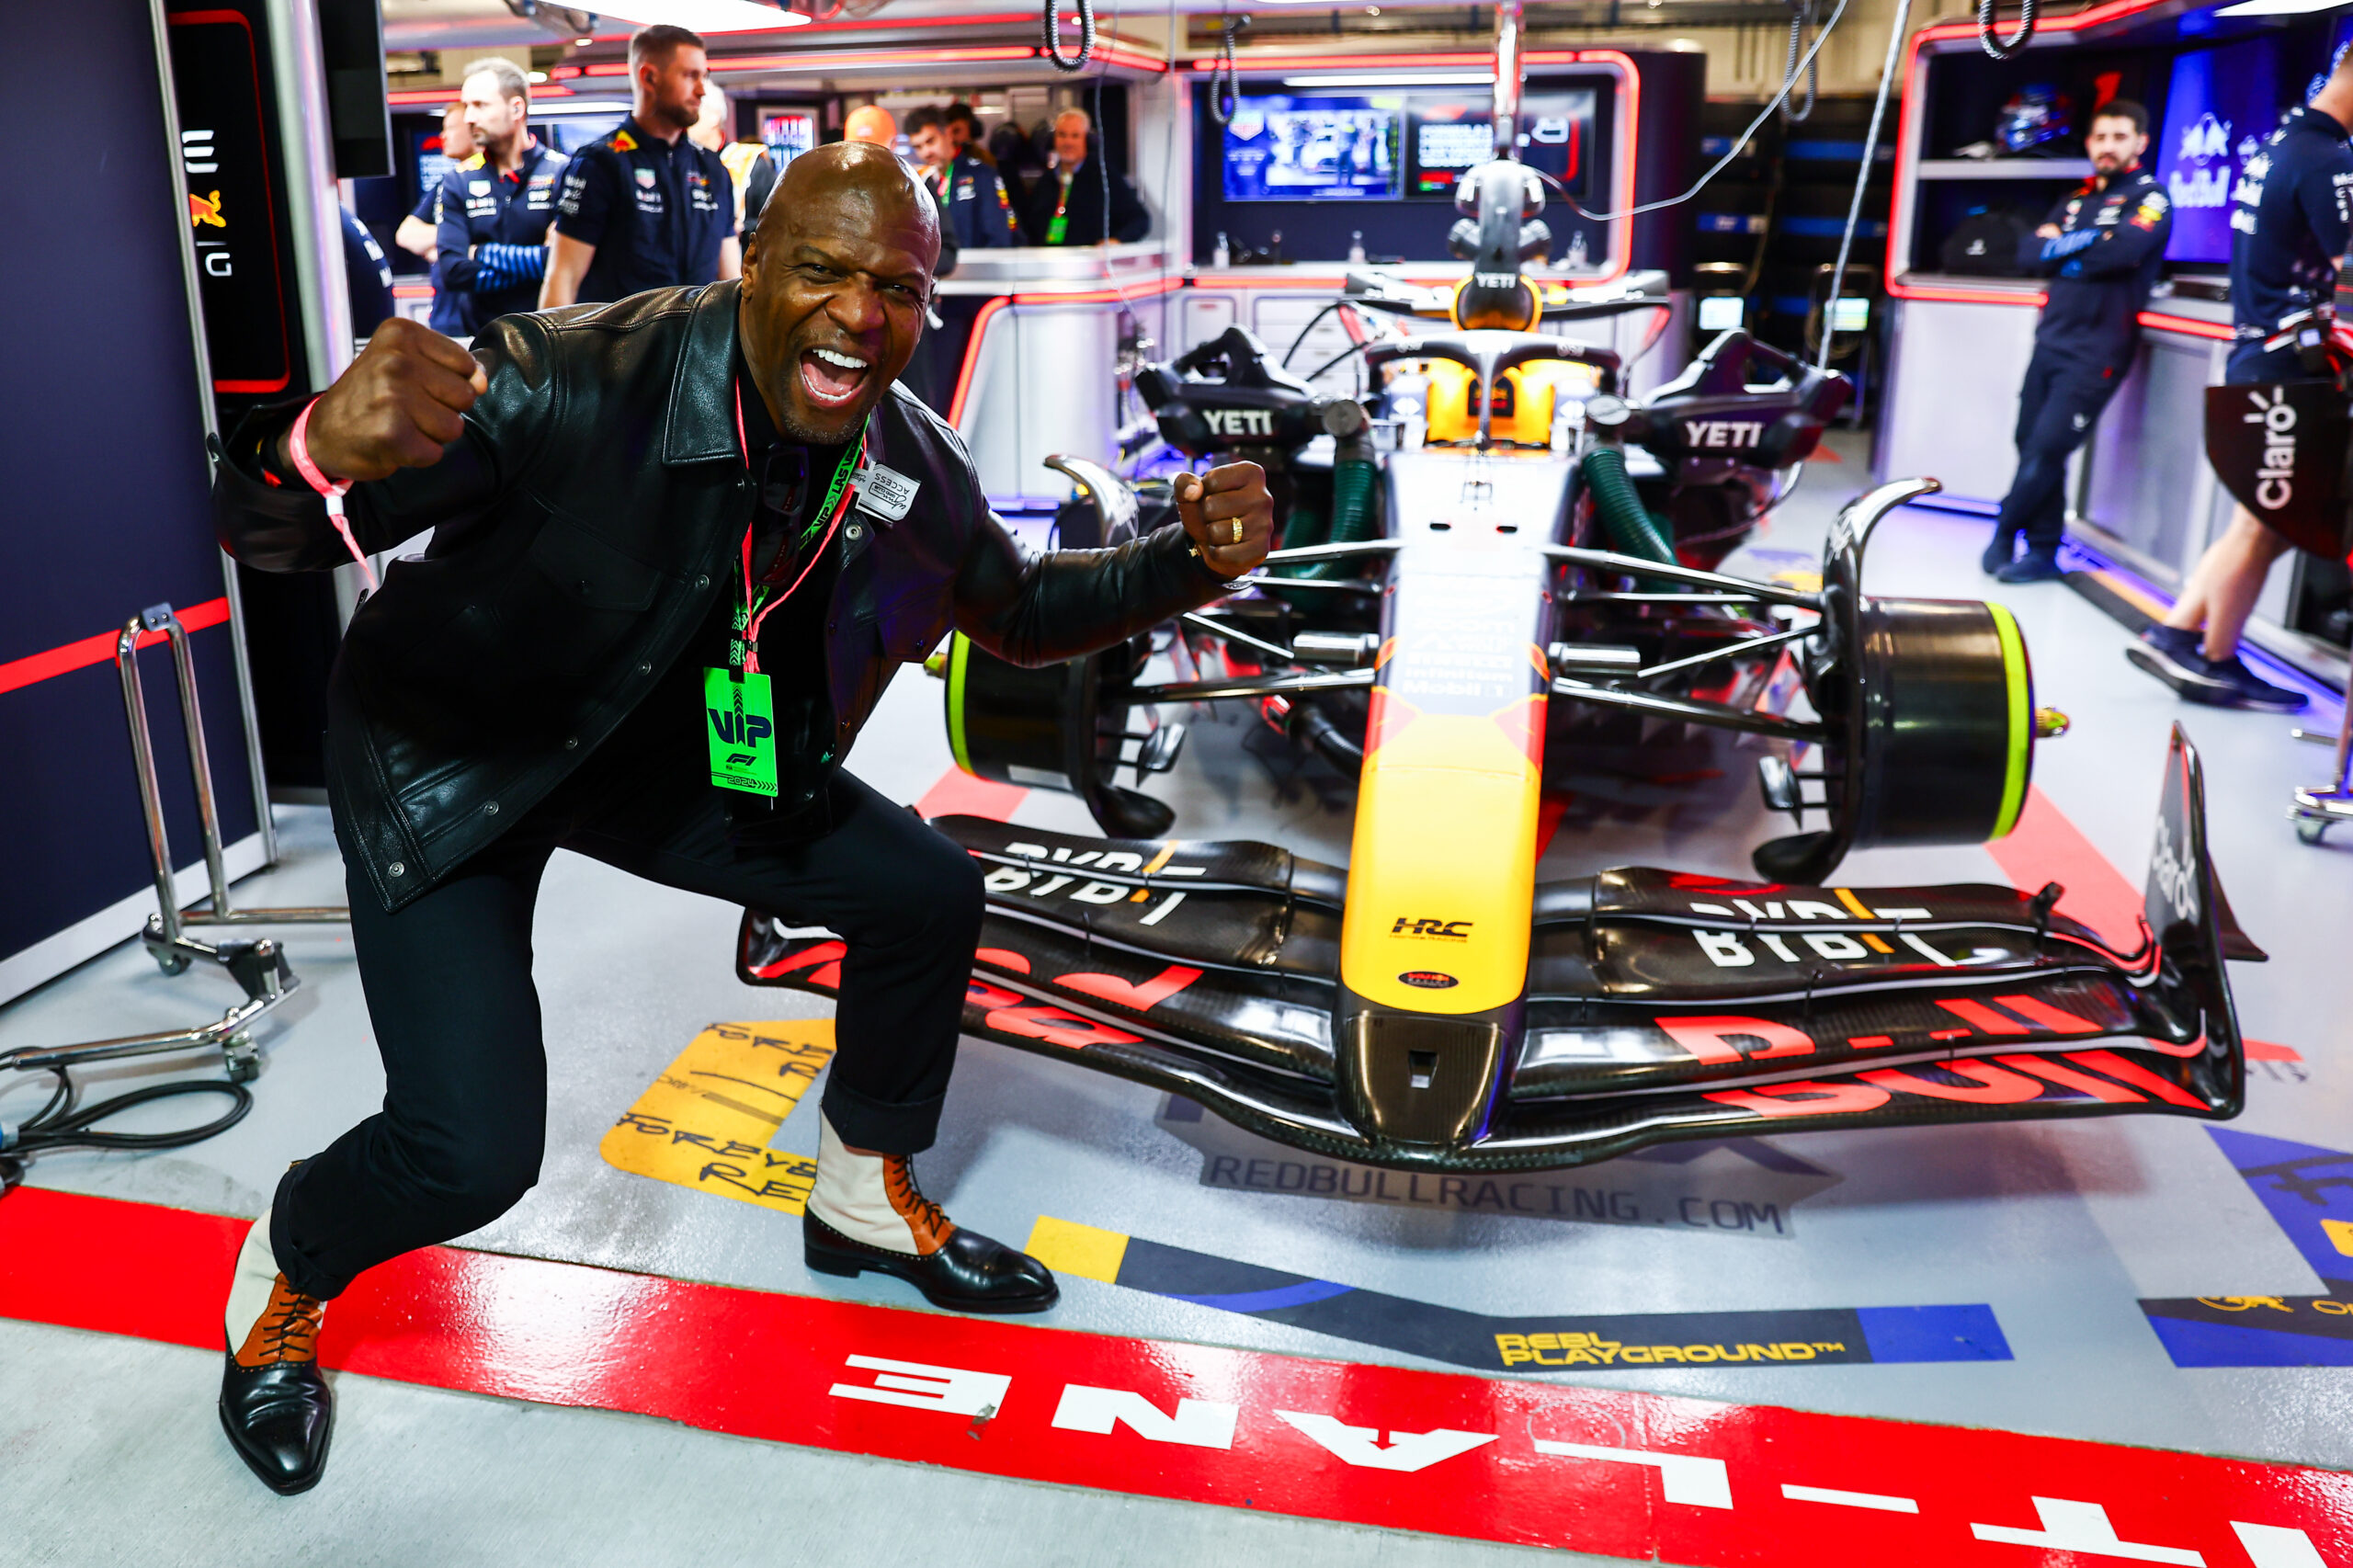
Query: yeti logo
1231	422
1744	432
2275	487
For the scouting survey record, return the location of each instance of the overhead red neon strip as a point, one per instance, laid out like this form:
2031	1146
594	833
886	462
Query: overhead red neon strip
817	61
1900	215
1244	64
448	95
1608	1473
99	649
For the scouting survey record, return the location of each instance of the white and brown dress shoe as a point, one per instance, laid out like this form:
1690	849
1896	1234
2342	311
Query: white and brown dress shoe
275	1404
866	1213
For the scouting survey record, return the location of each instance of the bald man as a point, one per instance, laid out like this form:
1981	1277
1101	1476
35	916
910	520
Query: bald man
681	544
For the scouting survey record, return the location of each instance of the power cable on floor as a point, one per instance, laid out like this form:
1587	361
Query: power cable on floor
59	1124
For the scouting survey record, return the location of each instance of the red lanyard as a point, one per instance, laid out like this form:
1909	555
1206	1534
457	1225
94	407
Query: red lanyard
754	616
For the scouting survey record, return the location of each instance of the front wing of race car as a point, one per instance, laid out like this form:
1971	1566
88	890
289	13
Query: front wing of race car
1658	1005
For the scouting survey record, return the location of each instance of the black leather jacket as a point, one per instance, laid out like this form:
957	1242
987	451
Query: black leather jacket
582	526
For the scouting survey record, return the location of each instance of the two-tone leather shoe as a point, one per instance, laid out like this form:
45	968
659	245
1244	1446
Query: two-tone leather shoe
966	1272
867	1215
275	1402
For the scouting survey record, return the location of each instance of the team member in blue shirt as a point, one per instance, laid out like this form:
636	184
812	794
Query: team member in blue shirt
642	207
2100	248
2290	219
496	206
974	211
419	232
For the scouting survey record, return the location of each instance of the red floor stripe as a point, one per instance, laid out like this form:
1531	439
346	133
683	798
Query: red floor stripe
2046	847
1618	1474
958	793
99	649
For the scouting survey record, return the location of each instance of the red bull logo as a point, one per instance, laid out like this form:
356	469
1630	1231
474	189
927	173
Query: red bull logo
202	210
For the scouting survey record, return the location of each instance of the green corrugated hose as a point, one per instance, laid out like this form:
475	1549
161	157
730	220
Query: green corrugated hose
1632	529
1353	482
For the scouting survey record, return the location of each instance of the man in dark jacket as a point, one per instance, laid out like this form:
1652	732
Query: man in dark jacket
681	544
2100	247
1067	206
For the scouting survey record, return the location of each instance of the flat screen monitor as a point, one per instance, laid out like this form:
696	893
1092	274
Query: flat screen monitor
1313	149
2220	105
789	133
1448	136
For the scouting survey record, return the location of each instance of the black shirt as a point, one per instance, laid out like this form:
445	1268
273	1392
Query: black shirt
663	736
657	212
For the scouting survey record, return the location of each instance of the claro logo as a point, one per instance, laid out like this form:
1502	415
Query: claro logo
2275	485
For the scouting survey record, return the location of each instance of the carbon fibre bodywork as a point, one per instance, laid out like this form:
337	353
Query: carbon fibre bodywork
1657	1007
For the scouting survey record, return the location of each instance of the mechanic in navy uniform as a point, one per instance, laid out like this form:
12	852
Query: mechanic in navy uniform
2290	218
974	208
642	207
419	232
492	230
2100	248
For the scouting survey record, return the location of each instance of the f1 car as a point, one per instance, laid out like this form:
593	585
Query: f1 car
1431	1006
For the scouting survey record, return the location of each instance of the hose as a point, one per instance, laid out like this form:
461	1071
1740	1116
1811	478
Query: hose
1085	36
1354	481
1632	528
1224	100
61	1125
2001	48
1798	10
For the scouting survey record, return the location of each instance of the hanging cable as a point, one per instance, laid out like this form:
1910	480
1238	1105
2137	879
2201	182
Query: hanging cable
1863	174
1085	36
1739	145
2004	47
1800	12
60	1125
1225	100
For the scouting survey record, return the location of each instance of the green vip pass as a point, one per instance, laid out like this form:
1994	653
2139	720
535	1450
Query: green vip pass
741	730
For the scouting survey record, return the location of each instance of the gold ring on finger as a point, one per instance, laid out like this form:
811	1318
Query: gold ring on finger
1237	531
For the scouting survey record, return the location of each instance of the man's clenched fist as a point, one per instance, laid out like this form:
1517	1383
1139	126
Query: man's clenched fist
395	406
1229	513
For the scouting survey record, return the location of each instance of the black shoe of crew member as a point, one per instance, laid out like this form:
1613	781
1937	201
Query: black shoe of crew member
2100	248
595	479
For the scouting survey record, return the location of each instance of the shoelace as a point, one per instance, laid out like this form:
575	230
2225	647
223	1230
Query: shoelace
291	1329
898	1181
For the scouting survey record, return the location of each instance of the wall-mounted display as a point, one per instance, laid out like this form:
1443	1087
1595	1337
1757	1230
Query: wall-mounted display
1313	149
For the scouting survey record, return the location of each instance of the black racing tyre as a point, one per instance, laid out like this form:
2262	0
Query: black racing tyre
1930	709
1056	726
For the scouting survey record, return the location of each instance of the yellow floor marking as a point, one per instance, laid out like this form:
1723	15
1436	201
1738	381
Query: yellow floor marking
706	1122
1067	1247
2341	1233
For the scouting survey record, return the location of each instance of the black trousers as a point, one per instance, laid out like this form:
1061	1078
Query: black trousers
457	1018
2059	403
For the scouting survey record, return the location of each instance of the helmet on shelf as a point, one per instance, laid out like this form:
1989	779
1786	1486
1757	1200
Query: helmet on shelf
2033	116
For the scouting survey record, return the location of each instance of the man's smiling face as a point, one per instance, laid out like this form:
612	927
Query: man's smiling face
835	287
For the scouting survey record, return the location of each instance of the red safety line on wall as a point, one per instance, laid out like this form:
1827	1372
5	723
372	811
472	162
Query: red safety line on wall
100	649
1615	1474
987	312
